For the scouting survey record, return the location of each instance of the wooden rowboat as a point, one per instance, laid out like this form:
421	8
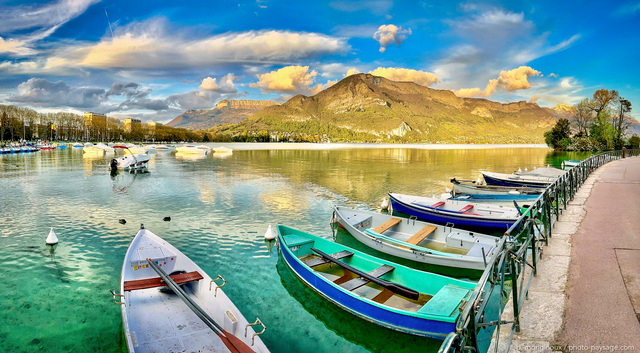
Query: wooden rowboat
460	214
157	318
502	179
379	291
418	241
472	188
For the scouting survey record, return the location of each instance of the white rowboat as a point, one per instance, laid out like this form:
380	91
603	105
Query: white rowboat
154	317
418	241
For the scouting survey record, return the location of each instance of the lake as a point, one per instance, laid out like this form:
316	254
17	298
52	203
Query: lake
219	209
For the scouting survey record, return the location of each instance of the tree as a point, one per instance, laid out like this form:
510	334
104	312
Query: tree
205	138
620	123
602	98
634	141
583	117
559	137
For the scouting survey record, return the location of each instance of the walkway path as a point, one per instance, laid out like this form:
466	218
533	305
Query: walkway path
589	271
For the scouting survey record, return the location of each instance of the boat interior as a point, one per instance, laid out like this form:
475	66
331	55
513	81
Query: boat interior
378	282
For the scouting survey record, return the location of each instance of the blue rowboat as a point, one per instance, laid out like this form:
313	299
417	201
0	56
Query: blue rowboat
502	179
462	214
379	291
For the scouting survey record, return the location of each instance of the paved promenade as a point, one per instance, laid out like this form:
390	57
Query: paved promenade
587	292
603	287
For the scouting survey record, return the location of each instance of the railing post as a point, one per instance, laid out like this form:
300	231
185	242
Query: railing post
624	150
514	290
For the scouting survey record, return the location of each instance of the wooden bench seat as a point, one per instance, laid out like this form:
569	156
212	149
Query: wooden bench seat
466	208
158	282
386	225
421	234
438	204
320	260
359	282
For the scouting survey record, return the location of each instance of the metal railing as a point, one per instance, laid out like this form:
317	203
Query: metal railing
514	265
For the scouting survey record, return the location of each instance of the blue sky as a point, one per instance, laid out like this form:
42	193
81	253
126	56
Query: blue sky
165	57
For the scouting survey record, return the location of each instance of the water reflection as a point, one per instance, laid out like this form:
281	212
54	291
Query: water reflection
190	156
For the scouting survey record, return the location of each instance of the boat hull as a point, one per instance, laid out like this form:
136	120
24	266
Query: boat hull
461	261
512	183
491	224
386	318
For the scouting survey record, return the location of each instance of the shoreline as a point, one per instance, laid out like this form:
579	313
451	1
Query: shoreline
255	146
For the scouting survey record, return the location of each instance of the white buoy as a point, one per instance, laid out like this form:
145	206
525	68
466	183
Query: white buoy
534	167
525	169
270	234
521	169
51	238
478	181
385	203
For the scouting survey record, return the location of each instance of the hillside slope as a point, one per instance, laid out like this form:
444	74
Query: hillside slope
364	107
225	112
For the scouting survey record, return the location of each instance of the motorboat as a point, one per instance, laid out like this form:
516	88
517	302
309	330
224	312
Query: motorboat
169	304
91	148
418	241
130	162
195	149
222	149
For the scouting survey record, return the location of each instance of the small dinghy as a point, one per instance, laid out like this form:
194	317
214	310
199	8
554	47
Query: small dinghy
390	295
503	179
418	241
461	214
569	164
169	304
543	172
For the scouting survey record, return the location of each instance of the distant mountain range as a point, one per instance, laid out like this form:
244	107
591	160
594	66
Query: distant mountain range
364	107
225	112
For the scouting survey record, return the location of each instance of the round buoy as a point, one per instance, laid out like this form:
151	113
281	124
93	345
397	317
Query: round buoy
122	221
525	169
166	219
270	234
385	203
51	238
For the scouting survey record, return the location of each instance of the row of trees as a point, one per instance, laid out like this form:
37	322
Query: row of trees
17	123
597	123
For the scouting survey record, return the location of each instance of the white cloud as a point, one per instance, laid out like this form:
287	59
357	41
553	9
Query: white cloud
410	75
629	9
226	84
388	34
511	80
46	15
352	72
553	75
149	46
566	82
44	93
289	80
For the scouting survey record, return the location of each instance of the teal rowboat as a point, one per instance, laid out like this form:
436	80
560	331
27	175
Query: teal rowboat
388	294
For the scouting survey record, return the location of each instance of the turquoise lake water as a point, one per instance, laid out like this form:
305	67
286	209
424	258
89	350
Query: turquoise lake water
219	209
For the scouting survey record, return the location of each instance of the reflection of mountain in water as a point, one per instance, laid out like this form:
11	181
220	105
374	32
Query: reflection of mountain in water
352	328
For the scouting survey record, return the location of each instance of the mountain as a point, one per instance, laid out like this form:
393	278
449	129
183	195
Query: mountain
225	111
364	107
562	110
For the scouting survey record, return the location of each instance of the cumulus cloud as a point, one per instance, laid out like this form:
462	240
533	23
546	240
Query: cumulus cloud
399	74
534	99
388	34
553	75
44	93
352	72
149	45
289	80
226	84
508	80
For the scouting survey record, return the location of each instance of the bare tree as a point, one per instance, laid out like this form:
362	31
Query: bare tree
583	116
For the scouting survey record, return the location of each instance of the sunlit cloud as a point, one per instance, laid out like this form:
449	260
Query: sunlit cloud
409	75
41	15
511	80
226	84
389	34
289	80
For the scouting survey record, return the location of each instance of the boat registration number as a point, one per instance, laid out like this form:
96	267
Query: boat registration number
136	268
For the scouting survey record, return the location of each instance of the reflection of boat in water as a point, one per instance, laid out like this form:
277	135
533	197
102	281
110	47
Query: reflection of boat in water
353	329
169	301
190	156
222	149
194	149
222	155
383	292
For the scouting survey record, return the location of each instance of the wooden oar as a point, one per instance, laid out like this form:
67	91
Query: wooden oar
233	343
394	287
